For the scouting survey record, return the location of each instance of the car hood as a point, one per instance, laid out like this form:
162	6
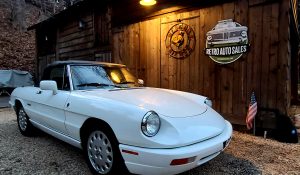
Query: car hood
161	101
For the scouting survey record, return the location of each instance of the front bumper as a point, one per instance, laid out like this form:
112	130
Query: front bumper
12	105
157	161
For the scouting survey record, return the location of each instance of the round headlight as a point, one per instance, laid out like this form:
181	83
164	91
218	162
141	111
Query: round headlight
244	34
150	124
209	38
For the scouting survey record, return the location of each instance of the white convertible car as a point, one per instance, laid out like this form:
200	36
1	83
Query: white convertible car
121	126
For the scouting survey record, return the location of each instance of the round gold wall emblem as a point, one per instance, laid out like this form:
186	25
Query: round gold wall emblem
180	41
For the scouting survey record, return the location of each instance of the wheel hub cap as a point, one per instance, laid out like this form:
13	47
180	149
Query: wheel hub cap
100	152
22	120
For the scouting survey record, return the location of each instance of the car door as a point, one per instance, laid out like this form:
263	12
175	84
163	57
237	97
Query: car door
51	106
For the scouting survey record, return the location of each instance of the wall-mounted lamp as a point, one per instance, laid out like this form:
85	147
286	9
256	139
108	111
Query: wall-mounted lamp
46	38
147	2
81	24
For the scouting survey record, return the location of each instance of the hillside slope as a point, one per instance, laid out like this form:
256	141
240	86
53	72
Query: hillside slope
17	47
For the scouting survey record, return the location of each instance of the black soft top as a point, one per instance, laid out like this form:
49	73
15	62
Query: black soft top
80	62
75	62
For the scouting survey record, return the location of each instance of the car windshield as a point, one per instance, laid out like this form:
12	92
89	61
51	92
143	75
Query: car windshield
97	76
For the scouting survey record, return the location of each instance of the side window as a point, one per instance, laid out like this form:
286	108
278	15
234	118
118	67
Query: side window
59	74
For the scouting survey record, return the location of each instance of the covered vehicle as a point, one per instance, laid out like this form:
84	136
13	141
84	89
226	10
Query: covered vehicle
120	125
11	79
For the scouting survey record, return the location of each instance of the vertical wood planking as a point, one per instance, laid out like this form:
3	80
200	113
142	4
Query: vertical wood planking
189	70
283	56
265	60
142	61
131	47
164	63
210	69
202	57
240	66
116	53
168	63
150	50
273	48
183	77
226	73
209	21
193	65
254	56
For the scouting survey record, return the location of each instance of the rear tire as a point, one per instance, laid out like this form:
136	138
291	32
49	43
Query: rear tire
102	153
24	124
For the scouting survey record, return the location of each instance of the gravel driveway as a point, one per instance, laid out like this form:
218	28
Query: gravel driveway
44	154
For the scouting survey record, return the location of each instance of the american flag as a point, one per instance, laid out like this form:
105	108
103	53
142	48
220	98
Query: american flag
252	110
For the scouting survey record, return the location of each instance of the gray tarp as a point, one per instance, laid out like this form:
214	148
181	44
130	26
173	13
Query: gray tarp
15	78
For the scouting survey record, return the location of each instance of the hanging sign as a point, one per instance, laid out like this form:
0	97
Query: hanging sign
180	41
226	42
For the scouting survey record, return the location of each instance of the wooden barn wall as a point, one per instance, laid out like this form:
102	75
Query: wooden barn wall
74	42
66	41
264	70
82	43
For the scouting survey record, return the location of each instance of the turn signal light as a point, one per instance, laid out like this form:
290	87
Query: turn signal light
182	161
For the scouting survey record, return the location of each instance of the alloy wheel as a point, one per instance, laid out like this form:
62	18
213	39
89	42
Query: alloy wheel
22	120
100	152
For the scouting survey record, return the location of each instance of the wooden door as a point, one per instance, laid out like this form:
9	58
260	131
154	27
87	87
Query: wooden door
180	73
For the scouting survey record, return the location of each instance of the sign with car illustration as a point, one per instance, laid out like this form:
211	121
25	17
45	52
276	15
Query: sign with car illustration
226	42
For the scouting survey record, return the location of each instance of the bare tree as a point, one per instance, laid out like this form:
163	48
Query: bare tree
17	13
47	8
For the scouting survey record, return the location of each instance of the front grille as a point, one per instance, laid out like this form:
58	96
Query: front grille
218	36
235	34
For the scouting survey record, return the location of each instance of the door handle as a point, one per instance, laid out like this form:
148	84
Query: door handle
38	92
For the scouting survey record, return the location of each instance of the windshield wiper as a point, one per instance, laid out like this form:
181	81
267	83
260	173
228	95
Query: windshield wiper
97	85
127	82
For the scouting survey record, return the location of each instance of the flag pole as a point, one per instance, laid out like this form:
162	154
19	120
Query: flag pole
252	111
254	126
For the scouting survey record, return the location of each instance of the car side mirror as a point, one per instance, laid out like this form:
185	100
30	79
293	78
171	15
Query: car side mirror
141	82
49	85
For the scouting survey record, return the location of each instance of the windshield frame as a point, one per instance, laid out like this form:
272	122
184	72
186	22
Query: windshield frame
71	78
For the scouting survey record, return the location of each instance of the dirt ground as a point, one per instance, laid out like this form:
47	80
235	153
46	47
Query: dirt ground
44	154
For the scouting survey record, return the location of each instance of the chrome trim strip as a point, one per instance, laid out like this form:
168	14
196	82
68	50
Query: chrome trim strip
57	135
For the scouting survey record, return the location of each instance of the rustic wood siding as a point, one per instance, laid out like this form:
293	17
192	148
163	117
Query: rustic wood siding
75	42
264	70
67	41
82	43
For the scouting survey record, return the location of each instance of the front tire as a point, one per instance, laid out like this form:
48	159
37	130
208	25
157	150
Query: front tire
102	154
24	124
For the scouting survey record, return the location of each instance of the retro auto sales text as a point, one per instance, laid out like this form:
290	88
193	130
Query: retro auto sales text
224	51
